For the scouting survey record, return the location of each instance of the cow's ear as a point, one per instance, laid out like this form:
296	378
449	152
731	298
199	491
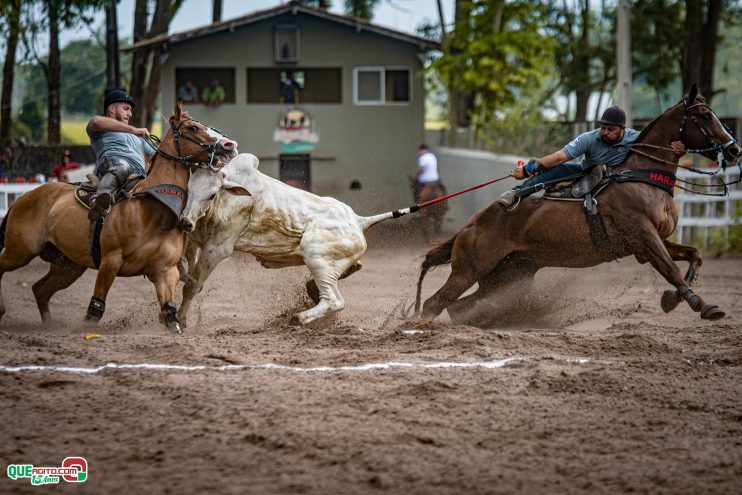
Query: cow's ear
235	189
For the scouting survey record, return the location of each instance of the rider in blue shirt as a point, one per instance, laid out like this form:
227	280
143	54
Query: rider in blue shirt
119	149
610	145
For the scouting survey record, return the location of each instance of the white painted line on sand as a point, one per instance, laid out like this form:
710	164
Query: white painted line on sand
268	366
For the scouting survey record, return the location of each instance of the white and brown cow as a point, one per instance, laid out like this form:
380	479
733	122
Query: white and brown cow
245	210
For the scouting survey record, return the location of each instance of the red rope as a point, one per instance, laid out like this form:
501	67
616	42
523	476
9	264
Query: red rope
448	196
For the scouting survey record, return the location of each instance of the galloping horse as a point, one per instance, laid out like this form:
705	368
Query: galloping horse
138	236
499	249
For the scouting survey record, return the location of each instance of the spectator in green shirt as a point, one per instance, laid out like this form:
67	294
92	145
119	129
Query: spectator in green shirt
213	94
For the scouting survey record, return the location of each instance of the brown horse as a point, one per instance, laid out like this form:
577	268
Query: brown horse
499	249
138	237
430	219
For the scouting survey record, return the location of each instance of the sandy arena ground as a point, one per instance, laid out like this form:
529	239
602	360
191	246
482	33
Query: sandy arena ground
602	393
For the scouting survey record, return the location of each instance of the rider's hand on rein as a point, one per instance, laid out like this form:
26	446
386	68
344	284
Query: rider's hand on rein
678	148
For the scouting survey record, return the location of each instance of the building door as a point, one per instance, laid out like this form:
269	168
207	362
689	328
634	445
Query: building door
295	170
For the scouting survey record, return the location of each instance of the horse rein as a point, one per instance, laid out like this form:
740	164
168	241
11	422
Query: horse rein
718	149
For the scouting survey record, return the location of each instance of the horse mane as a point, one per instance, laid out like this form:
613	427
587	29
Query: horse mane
649	126
654	122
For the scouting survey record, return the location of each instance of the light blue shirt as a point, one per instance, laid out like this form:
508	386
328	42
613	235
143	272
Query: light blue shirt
122	145
596	151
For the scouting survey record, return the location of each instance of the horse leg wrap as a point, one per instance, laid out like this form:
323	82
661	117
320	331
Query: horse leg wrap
690	276
96	309
169	314
694	301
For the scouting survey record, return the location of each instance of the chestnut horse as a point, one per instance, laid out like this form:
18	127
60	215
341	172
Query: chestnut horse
138	236
499	249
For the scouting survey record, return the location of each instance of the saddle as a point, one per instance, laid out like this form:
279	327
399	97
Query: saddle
593	182
86	191
170	195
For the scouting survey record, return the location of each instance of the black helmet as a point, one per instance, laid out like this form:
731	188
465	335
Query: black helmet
613	116
118	96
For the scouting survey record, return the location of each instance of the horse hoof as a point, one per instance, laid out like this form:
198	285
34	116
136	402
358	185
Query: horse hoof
295	321
712	312
670	300
174	327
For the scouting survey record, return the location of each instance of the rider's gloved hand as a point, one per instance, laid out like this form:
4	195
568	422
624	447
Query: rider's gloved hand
533	167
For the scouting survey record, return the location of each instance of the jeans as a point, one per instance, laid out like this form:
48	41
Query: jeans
553	173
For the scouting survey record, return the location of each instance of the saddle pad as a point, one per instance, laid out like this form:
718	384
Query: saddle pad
85	190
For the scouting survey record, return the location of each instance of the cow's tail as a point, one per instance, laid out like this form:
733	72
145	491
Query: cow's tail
439	255
367	222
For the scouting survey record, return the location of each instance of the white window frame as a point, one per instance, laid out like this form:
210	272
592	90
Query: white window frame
277	49
382	76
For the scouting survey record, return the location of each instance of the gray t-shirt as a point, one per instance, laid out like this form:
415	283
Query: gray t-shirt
123	145
597	151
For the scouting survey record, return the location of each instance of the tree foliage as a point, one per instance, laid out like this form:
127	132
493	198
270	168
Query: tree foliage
361	8
497	54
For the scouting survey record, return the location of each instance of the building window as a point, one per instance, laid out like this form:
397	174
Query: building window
294	86
382	86
286	43
202	85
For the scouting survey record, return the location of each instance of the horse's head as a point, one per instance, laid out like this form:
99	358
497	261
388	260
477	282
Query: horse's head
203	186
198	145
702	132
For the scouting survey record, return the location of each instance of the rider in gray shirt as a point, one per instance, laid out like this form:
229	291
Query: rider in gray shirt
119	149
610	144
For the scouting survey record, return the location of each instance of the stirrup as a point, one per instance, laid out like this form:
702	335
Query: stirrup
514	205
96	211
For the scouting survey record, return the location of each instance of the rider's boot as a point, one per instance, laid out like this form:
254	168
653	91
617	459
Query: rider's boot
103	199
117	172
507	199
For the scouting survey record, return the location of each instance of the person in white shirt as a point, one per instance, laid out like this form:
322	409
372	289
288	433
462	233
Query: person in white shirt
427	170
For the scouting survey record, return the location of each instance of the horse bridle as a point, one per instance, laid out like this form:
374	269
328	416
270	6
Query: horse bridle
715	150
189	161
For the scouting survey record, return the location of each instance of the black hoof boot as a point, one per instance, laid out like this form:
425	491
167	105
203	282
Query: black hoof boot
712	312
670	300
169	317
96	308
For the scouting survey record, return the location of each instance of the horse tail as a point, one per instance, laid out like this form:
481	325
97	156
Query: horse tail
439	255
2	228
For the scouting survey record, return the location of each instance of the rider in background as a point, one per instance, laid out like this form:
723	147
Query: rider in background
120	149
426	174
610	144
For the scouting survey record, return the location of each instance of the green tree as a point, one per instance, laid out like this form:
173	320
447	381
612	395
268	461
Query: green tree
53	16
83	77
496	54
146	66
361	8
10	31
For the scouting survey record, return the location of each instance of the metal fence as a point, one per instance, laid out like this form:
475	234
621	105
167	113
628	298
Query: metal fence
703	219
10	192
